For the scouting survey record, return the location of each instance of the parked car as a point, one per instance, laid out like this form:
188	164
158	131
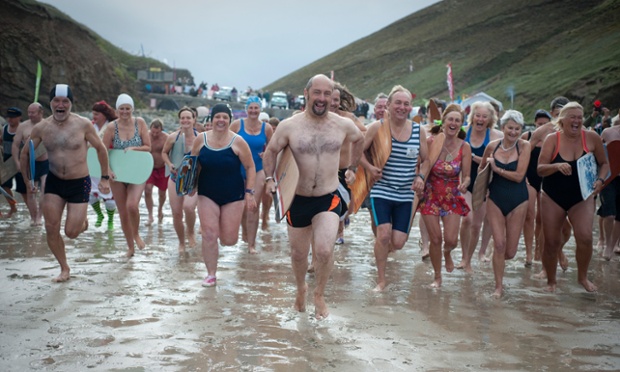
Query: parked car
224	94
279	99
300	101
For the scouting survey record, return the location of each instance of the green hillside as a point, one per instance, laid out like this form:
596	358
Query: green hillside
540	48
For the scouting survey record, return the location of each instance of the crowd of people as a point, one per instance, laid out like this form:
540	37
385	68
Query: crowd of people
534	190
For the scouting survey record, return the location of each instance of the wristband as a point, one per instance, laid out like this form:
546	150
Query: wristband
105	177
267	179
249	191
600	179
422	177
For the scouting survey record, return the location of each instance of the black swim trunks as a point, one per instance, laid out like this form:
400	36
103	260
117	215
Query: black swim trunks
304	208
72	191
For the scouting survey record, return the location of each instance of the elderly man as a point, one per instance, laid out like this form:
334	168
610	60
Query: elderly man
66	137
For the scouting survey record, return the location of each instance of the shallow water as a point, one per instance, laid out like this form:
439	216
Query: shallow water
151	313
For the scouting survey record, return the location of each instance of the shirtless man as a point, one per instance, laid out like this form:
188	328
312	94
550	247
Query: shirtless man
158	176
41	166
13	118
343	104
66	136
315	137
609	135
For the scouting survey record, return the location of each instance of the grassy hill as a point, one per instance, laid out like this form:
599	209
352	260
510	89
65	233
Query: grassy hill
539	48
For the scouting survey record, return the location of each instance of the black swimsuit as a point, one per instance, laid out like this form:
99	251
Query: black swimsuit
564	190
532	173
507	194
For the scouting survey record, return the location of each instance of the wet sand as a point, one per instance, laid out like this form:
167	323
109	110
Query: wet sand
151	313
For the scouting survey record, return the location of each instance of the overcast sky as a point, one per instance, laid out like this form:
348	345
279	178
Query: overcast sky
236	43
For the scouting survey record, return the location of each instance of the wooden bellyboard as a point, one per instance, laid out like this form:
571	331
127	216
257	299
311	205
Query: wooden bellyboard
8	169
286	177
481	186
130	166
377	154
177	153
433	112
187	175
433	155
32	160
613	158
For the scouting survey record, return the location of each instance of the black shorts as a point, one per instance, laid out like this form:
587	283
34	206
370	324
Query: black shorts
304	208
72	191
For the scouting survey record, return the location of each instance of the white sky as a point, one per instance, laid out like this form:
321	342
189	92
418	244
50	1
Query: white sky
237	43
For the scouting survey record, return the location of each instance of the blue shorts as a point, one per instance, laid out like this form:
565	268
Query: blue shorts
396	213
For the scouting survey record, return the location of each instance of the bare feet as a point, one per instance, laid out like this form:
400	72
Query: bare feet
160	216
264	225
311	268
425	254
550	287
320	307
498	292
436	283
140	242
252	250
607	254
300	301
191	238
588	285
563	261
460	266
380	286
541	275
130	253
63	277
483	258
181	248
449	263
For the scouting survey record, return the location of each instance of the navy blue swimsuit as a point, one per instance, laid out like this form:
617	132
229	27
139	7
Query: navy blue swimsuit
220	177
507	194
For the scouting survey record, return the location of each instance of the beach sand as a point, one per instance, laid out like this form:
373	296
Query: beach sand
151	313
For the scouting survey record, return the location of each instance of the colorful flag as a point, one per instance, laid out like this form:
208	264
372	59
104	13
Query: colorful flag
449	81
37	84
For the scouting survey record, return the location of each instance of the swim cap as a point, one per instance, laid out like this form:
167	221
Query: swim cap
221	107
263	116
252	99
124	99
61	90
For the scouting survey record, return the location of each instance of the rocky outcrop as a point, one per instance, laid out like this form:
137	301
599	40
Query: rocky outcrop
69	53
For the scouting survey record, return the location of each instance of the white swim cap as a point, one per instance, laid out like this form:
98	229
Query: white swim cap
124	99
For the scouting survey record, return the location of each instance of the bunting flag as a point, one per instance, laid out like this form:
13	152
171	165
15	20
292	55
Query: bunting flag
449	81
37	84
332	75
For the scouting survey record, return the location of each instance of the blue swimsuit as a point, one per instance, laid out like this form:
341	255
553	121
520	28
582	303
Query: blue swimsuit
219	178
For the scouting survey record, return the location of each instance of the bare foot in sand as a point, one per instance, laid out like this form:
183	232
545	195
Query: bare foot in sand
588	285
160	217
380	286
436	283
63	277
541	275
252	250
300	301
483	258
181	249
563	261
140	243
498	292
320	307
550	288
449	263
130	253
150	221
425	254
191	238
